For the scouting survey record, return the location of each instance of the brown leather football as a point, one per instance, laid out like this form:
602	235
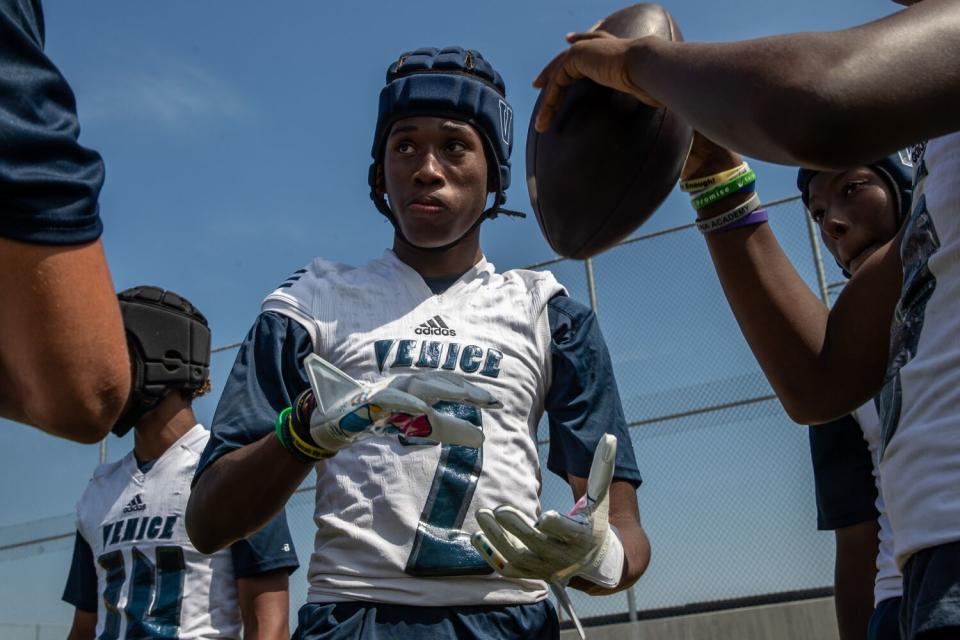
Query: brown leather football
608	160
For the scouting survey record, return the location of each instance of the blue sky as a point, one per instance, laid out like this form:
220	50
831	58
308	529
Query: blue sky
236	136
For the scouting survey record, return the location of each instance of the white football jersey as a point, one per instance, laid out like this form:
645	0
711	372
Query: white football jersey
389	512
152	582
920	406
889	582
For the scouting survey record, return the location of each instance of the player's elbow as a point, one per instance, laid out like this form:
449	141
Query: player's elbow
815	406
201	539
80	409
200	522
637	562
801	415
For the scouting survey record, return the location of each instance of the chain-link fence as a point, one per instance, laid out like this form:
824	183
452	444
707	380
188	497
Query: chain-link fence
727	499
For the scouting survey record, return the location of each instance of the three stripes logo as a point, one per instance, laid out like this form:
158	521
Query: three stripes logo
435	326
137	504
289	282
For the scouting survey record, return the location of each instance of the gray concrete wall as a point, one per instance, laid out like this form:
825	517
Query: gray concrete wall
803	620
33	631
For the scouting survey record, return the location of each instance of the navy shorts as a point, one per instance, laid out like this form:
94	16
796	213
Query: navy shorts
49	184
377	621
842	474
885	621
931	594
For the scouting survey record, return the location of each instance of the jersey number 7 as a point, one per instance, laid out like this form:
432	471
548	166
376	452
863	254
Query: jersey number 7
440	548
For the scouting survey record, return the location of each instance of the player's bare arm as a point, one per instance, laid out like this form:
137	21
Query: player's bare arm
74	382
855	572
264	605
63	356
806	351
824	84
84	626
241	492
625	516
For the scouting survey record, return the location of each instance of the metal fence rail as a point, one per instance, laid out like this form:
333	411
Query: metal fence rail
727	497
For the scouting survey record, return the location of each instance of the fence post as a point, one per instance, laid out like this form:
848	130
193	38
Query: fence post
592	293
591	285
817	259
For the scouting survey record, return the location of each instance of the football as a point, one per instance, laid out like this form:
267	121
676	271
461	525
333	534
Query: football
608	160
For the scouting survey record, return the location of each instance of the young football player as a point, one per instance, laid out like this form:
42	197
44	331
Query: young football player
59	318
434	532
134	572
819	100
857	208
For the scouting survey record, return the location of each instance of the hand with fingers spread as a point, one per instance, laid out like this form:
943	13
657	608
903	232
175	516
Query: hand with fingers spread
596	55
337	410
558	546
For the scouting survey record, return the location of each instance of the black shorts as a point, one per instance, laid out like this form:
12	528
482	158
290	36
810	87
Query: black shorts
931	594
49	184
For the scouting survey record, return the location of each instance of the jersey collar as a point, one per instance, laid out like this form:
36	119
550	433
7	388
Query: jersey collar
420	288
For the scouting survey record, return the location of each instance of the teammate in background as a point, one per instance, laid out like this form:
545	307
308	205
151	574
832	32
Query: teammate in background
432	342
819	100
59	318
861	207
134	572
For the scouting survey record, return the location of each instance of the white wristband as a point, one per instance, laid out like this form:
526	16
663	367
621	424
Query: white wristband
606	568
728	218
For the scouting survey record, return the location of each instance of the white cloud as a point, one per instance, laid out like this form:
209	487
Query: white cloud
169	94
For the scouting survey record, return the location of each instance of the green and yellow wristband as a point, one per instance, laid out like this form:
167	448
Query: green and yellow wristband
288	433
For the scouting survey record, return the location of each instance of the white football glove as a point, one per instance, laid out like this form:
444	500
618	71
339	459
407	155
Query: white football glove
338	410
558	546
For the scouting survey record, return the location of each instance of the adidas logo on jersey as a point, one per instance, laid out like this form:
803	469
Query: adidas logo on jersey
435	326
137	504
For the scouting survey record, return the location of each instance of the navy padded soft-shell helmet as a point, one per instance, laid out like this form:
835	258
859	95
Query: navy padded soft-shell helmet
454	83
896	169
169	344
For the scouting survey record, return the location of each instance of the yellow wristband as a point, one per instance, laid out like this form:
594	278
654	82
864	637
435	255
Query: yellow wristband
699	184
307	448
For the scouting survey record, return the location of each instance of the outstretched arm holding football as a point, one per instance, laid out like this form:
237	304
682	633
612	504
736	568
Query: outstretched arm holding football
825	85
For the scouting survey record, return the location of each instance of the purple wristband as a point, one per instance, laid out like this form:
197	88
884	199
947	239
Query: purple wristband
757	217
